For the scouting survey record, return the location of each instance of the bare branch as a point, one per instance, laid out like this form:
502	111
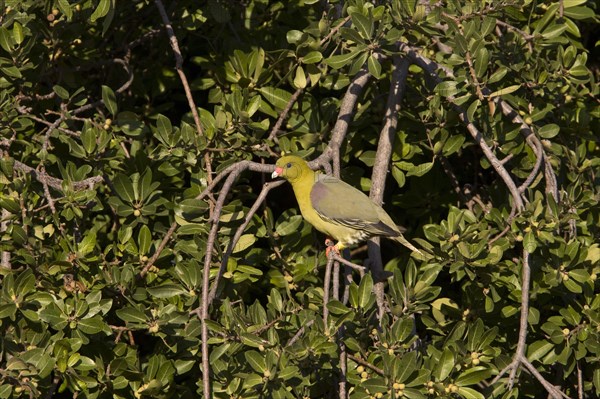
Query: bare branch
257	203
5	255
299	333
54	182
338	133
179	67
326	286
283	115
346	262
532	141
431	67
534	172
381	167
554	393
522	341
294	98
47	192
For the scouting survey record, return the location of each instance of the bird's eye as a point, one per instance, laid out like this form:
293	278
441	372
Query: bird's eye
289	165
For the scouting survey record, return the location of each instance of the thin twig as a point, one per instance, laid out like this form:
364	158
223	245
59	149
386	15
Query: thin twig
206	282
179	67
579	381
367	364
431	67
283	115
338	133
555	393
257	203
299	333
534	172
346	262
237	167
326	286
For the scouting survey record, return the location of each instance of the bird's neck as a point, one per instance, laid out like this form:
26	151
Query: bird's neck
302	188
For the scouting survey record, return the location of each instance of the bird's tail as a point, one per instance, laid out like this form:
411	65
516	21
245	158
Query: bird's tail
400	238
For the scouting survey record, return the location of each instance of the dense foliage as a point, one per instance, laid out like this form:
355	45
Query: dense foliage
135	220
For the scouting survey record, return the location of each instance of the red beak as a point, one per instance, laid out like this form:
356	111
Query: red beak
278	172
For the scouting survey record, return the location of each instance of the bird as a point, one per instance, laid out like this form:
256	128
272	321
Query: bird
335	208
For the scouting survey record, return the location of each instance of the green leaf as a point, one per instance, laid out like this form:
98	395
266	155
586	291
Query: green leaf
277	97
338	61
123	187
18	32
92	325
8	310
109	99
529	242
24	283
164	127
470	393
498	75
300	78
88	139
548	131
289	226
363	23
504	91
482	59
538	349
375	385
101	10
420	170
87	245
365	291
473	376
131	314
166	290
447	88
256	361
374	67
245	241
65	8
60	91
553	31
337	308
191	208
312	58
444	366
144	240
6	40
572	3
405	366
453	144
579	275
580	13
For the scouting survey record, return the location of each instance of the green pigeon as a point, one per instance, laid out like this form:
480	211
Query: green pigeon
335	208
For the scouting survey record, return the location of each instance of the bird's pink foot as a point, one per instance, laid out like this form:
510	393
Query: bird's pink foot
331	247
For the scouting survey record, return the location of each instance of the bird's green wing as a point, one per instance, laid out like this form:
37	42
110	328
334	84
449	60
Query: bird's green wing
340	203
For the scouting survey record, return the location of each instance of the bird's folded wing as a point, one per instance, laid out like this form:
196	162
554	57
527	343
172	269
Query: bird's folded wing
338	202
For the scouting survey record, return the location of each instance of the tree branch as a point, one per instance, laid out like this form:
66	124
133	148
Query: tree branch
381	167
257	203
179	65
338	133
431	68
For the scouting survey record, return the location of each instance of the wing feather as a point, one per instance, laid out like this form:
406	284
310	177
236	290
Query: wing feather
338	202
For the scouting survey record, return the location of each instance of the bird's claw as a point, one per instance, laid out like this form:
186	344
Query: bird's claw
331	247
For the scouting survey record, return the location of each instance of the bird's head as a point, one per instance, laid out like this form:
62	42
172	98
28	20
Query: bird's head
291	168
